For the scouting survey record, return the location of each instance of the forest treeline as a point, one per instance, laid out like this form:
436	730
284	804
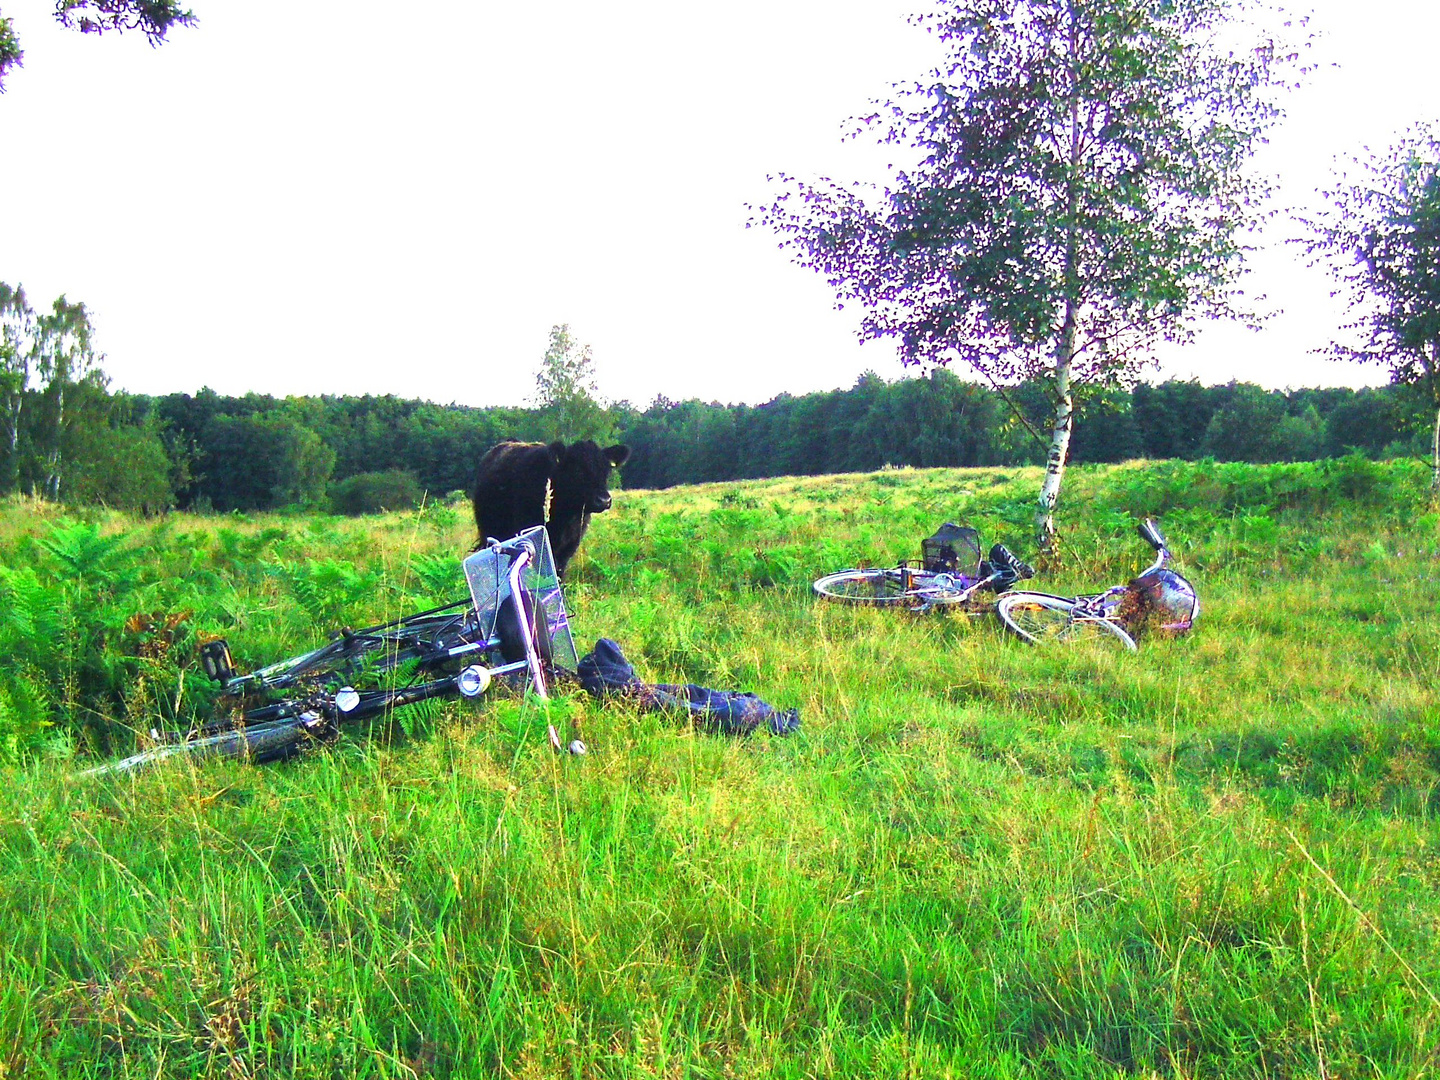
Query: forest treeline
357	454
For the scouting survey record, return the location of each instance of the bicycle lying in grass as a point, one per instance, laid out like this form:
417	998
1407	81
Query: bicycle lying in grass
951	576
1159	600
512	627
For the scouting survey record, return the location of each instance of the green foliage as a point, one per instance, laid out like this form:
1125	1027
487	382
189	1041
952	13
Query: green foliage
153	18
81	552
1379	235
376	492
931	421
1218	491
438	576
32	625
266	460
1047	170
1075	192
1249	427
125	468
25	710
64	436
976	858
10	52
566	392
330	590
18	345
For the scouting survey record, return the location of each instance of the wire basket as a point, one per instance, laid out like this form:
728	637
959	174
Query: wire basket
488	573
954	549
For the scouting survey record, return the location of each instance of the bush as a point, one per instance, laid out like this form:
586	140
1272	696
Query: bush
25	724
264	461
374	492
1231	488
125	468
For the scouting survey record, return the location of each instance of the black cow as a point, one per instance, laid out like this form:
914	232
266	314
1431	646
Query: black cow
522	484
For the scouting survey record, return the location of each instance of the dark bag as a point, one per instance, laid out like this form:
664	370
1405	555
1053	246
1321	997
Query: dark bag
605	671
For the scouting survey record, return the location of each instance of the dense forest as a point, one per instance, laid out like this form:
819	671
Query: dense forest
356	454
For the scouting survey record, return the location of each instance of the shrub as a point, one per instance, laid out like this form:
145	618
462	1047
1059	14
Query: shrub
25	724
374	492
121	467
264	461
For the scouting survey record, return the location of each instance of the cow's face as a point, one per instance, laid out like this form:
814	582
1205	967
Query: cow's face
582	474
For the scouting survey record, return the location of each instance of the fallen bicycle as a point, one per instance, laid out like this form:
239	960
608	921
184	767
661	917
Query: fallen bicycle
513	627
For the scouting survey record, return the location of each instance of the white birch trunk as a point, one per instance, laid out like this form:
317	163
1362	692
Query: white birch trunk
17	405
52	482
1059	435
14	433
1065	346
1435	454
1433	377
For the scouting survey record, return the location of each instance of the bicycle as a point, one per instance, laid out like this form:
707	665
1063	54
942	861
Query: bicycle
1159	599
937	582
513	627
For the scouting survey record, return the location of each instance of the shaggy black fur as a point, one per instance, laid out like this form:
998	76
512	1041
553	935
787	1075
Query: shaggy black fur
514	478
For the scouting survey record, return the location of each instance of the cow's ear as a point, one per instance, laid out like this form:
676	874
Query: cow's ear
557	451
618	454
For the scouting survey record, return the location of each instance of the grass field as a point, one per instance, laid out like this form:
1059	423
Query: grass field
1216	857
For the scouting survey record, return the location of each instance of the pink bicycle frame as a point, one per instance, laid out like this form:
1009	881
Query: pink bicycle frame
532	657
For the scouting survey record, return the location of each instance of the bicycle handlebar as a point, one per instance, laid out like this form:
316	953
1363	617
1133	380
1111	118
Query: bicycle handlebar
1002	556
512	547
1150	532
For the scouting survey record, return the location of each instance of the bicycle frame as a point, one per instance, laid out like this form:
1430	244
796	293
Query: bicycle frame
1106	605
1103	604
945	586
1108	602
503	579
927	588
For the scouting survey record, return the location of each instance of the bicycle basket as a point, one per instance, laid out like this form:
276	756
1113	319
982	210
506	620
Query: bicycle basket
487	572
954	549
1162	600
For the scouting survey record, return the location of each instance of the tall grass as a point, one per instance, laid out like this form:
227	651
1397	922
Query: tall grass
1216	857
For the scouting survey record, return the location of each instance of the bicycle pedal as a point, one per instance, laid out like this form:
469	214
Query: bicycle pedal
216	661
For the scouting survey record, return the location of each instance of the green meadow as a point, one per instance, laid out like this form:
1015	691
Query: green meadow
1218	857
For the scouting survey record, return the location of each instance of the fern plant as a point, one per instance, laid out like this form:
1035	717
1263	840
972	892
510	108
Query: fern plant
26	726
81	551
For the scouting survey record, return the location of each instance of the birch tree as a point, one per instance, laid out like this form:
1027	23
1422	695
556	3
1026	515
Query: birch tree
1075	193
1379	235
566	389
65	357
19	345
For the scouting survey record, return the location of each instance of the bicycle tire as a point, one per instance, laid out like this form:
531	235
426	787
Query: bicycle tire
261	743
1039	618
877	587
866	588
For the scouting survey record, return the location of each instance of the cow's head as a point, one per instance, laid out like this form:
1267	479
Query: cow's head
582	474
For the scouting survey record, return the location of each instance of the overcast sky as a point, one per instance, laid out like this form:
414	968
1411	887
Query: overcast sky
346	196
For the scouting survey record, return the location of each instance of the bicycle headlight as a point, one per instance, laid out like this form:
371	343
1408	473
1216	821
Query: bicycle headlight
346	699
473	681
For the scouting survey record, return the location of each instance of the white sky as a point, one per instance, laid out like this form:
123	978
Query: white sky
346	196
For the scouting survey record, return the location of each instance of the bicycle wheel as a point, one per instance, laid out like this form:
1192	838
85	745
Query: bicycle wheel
1040	617
868	588
258	744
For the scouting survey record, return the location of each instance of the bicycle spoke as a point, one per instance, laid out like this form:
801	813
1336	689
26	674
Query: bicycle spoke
1043	623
